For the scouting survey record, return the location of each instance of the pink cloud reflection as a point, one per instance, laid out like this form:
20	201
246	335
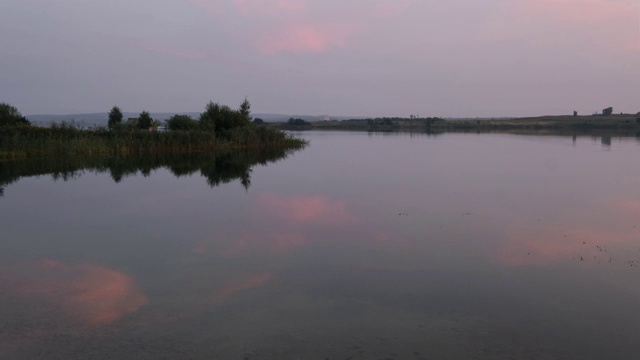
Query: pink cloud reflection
306	209
287	223
243	284
540	245
274	243
530	247
92	293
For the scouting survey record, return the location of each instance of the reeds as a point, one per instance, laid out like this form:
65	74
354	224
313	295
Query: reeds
68	139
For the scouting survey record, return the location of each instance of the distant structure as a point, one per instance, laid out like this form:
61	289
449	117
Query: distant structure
608	111
326	118
575	113
132	121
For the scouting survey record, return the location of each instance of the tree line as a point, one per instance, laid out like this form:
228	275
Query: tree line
216	118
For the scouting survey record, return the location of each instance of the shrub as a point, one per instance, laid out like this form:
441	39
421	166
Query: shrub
10	116
181	122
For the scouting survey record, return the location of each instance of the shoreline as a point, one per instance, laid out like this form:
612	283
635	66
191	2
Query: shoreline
620	122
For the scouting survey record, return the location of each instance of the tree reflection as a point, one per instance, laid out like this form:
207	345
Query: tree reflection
219	168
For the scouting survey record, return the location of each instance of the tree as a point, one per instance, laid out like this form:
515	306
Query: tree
115	117
181	122
258	121
210	117
10	116
144	120
222	118
245	110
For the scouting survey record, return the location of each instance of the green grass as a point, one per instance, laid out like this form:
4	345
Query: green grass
30	141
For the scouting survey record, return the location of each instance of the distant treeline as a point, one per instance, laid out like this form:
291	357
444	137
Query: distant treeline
399	120
218	127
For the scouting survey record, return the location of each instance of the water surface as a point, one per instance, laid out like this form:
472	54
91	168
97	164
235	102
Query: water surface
362	246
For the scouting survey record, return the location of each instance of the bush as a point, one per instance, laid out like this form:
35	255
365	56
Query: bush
10	116
293	121
181	122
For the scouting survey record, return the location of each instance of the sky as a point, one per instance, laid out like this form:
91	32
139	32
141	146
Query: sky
449	58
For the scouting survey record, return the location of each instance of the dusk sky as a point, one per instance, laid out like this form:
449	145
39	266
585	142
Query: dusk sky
450	58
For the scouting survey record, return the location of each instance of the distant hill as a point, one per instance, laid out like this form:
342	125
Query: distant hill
100	119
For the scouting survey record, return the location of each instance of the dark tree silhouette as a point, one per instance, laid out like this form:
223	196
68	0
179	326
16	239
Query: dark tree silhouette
144	120
10	116
115	117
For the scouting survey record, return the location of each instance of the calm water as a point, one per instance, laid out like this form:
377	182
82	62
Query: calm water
458	246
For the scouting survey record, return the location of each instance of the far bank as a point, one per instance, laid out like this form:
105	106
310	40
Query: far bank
621	122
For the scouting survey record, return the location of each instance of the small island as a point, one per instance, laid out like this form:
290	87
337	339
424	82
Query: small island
219	128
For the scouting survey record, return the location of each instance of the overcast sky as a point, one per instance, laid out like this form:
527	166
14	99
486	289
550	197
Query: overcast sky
338	57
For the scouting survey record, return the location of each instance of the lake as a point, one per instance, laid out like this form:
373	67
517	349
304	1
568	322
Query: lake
361	246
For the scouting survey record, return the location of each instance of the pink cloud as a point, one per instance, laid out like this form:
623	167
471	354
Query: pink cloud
303	38
174	51
270	7
214	7
392	8
92	293
627	205
633	45
584	11
303	26
610	25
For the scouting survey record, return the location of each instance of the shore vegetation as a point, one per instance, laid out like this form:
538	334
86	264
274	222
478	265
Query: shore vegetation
218	128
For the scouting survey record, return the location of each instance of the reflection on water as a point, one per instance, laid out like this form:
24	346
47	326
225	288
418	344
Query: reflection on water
217	168
89	293
242	284
363	246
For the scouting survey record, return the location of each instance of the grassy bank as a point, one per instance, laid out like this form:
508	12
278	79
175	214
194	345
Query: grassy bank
621	122
18	142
